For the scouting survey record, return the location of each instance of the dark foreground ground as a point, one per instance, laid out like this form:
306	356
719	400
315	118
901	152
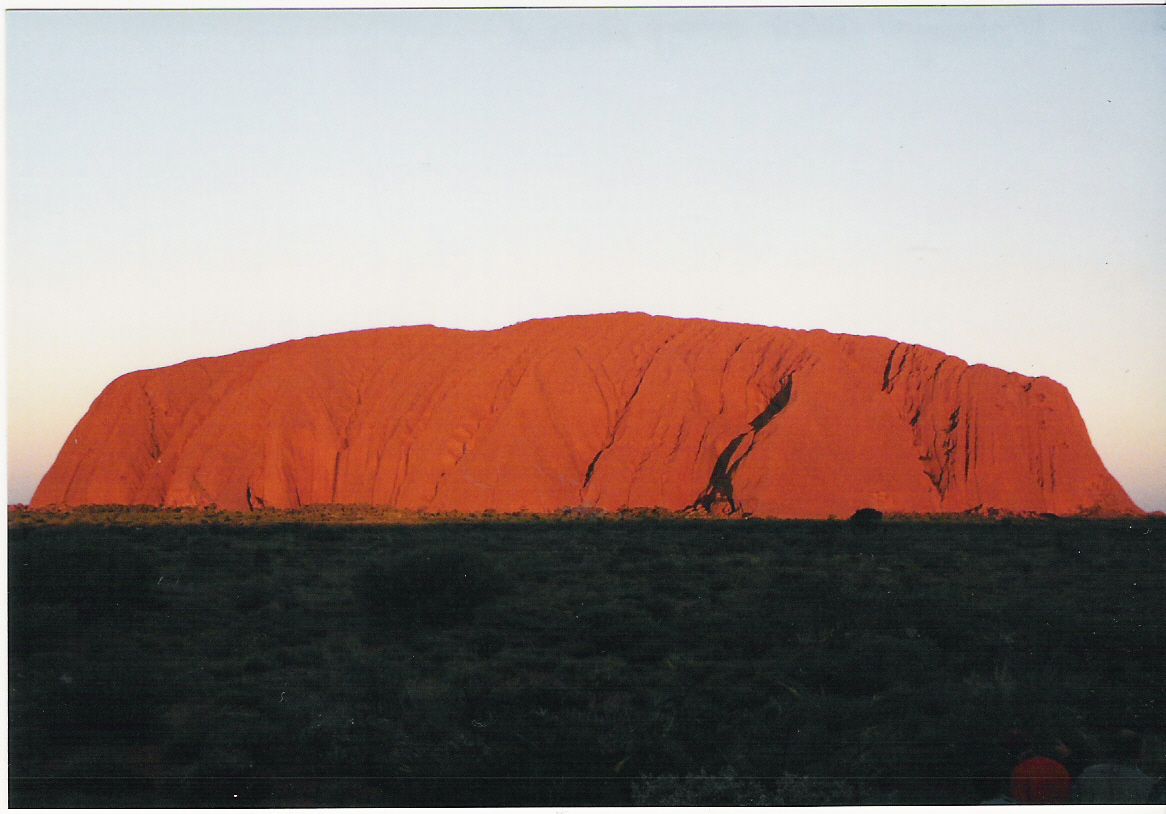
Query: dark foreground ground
202	660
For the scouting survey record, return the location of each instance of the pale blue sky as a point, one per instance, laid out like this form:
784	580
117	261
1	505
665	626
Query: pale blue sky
986	181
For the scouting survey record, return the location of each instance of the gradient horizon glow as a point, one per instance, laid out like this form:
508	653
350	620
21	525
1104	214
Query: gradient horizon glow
989	182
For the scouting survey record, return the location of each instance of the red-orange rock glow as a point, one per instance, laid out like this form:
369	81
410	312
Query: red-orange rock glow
610	411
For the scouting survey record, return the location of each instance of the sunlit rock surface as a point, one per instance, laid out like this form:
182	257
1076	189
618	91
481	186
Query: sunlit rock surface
610	411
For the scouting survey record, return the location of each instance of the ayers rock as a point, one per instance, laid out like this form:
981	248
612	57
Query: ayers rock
609	411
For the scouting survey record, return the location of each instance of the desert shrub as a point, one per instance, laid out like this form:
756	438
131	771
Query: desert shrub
442	584
866	517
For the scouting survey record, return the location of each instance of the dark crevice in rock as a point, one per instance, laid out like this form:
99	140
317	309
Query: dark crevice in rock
346	435
775	406
887	369
336	473
967	451
719	492
591	468
889	378
936	479
725	370
623	414
155	447
720	488
938	461
254	501
942	478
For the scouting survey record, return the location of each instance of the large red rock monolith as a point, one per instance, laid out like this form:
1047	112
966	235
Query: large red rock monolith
609	411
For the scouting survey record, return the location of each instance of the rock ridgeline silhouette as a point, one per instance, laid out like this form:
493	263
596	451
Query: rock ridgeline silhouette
606	411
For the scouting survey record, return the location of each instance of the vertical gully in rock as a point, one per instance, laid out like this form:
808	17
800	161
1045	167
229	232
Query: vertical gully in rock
719	492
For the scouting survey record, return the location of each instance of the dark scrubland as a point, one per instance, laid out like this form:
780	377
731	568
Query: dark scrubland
351	657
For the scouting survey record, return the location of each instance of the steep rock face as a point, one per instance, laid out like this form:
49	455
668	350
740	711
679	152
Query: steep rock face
611	411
